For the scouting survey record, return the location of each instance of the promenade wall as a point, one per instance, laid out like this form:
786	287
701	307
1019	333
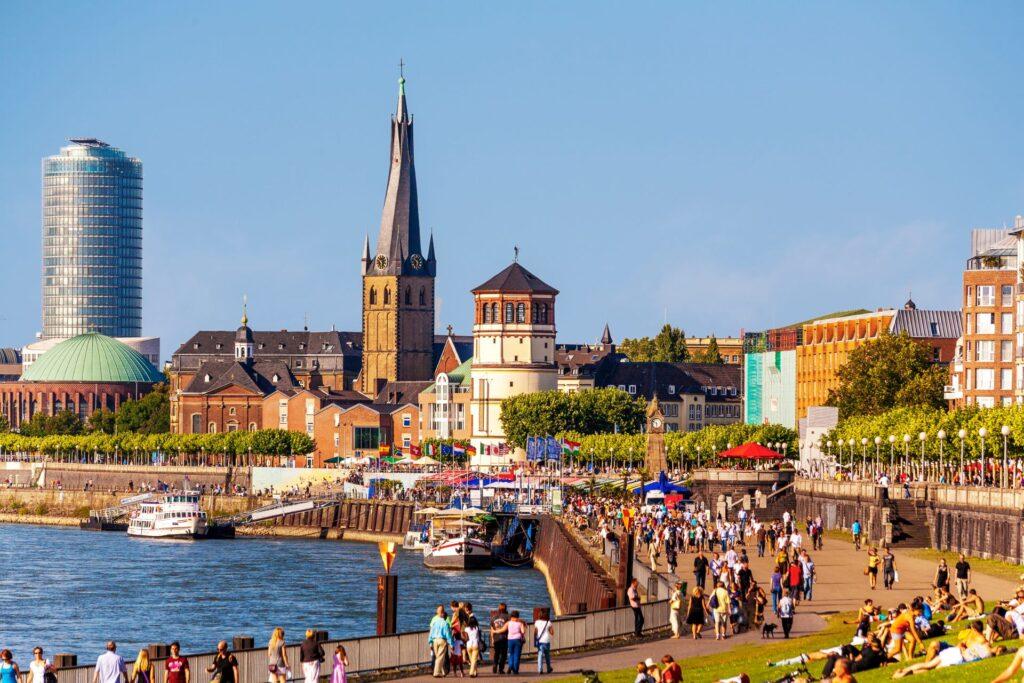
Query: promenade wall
380	656
840	503
70	503
359	519
576	582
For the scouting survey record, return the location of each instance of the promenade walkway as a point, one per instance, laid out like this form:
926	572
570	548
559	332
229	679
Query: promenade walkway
841	587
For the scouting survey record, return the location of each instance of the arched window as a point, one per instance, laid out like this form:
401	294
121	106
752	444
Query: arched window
408	296
252	426
197	423
487	313
533	313
213	428
544	314
510	313
373	295
494	313
521	313
387	295
423	296
232	426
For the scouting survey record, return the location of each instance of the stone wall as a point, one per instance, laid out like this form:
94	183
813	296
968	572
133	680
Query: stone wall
575	581
727	491
69	503
117	477
840	503
384	519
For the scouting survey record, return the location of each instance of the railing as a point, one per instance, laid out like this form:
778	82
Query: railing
409	651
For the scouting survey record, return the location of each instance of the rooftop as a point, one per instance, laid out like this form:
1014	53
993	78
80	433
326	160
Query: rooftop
92	357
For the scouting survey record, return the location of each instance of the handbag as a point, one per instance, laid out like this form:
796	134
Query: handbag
538	636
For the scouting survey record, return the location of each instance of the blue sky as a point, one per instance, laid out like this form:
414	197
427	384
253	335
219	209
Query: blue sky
724	165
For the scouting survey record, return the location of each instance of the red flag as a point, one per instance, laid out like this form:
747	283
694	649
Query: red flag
415	451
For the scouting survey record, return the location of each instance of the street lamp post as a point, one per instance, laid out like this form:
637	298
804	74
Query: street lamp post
904	467
922	436
878	443
892	455
962	433
863	455
982	433
942	440
829	445
1005	431
698	457
851	443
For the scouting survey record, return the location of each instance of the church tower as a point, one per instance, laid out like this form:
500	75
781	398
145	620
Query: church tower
398	281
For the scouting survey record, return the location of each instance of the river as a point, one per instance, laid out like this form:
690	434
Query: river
71	591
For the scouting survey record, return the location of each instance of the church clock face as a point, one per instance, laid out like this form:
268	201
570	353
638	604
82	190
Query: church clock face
417	261
656	423
382	262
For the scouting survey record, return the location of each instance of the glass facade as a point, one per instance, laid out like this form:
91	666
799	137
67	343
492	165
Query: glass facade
92	241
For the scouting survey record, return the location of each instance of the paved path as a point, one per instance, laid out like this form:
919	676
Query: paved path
841	587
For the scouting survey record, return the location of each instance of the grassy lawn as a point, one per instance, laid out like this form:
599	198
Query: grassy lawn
752	659
997	568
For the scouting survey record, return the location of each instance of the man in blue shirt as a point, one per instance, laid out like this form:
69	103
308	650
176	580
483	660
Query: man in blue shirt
440	641
855	530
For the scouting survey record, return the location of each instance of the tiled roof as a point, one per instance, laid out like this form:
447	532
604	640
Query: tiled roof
258	378
516	279
401	392
927	324
668	380
92	357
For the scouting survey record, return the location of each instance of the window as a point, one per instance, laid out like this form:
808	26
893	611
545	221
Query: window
521	313
986	323
986	401
365	438
423	296
1006	379
986	295
672	389
232	410
487	313
622	387
936	355
534	313
387	295
406	420
985	351
406	440
197	423
1006	351
408	296
373	296
1006	323
337	419
494	313
1007	295
232	426
544	314
986	378
310	406
671	409
632	388
510	313
213	427
337	439
934	329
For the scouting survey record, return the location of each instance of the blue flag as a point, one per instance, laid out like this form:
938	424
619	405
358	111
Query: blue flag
554	449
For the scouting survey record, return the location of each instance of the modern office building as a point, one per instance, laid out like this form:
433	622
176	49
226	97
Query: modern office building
983	369
92	241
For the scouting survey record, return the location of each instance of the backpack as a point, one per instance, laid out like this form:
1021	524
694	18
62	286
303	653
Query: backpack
713	602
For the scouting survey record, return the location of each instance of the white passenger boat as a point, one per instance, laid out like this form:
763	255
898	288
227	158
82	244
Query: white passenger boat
454	543
169	515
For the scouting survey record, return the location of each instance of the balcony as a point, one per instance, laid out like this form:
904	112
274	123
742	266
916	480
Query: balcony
951	392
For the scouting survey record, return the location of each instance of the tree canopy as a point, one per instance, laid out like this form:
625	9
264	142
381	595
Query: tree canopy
891	371
585	412
669	346
709	354
150	414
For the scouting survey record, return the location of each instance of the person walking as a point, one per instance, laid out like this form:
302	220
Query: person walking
110	666
277	657
807	569
786	609
311	654
143	670
516	629
776	588
871	571
700	570
675	608
176	667
472	633
339	674
633	595
963	577
542	632
696	612
225	665
941	575
38	667
9	671
888	569
499	638
440	640
720	603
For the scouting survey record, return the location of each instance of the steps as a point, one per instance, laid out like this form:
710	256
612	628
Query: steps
909	524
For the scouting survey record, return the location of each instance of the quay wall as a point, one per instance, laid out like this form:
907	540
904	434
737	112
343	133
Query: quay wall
386	656
986	523
726	491
110	477
358	519
54	503
576	582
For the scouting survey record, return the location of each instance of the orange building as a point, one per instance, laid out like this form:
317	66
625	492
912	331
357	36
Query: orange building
827	344
730	348
359	430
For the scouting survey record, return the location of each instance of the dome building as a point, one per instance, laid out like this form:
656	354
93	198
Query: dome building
82	374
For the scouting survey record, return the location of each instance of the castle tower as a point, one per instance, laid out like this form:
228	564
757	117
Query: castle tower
398	281
513	349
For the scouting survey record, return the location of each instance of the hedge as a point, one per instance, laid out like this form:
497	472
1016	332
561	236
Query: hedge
260	442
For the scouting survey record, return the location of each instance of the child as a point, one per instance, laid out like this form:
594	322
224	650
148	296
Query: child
339	674
456	658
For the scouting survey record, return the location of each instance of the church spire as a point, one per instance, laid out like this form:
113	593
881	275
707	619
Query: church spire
398	246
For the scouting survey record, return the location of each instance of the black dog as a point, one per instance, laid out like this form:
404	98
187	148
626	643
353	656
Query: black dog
768	630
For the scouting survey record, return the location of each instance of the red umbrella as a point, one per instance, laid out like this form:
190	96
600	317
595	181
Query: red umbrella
752	451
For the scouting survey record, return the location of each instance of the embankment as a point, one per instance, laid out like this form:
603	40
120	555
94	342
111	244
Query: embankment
576	582
54	503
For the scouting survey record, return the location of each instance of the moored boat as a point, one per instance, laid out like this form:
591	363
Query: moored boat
458	552
169	515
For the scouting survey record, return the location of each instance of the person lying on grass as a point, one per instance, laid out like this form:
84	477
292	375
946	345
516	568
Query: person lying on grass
870	655
965	651
1012	668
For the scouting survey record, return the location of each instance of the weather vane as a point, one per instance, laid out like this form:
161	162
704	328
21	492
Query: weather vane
515	250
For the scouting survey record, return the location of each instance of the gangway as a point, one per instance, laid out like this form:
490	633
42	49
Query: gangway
278	509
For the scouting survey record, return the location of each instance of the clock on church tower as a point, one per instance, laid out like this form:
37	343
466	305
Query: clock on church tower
655	461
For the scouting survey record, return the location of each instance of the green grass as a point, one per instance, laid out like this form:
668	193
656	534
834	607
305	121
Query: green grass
996	568
752	658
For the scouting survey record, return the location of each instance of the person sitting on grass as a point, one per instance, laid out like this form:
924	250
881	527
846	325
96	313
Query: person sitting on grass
971	606
641	674
1004	624
941	599
1012	668
867	613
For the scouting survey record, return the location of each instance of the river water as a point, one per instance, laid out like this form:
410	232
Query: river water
71	591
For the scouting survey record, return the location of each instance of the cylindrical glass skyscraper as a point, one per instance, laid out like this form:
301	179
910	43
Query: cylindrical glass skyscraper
92	241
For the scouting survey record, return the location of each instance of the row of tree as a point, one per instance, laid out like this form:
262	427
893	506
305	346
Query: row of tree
903	422
260	442
150	414
668	346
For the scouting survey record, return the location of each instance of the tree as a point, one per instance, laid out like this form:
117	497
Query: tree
64	422
554	412
710	354
891	371
5	425
669	346
150	414
102	421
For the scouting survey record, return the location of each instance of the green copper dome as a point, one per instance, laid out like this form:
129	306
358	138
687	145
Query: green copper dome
92	357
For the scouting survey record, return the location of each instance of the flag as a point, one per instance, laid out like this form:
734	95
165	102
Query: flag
446	449
503	449
384	449
570	447
531	448
554	450
458	450
471	450
415	451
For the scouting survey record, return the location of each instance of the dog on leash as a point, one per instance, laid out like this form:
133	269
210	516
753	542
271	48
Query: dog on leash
768	630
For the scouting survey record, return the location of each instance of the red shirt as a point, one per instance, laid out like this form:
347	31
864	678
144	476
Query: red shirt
672	673
176	667
795	575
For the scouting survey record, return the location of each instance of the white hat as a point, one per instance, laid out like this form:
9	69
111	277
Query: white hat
649	662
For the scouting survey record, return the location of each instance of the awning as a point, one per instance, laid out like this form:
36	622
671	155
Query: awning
752	451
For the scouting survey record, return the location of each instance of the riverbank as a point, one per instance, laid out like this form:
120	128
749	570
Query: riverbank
39	520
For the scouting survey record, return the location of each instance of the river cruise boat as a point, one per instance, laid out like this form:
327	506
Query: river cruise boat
169	515
457	543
